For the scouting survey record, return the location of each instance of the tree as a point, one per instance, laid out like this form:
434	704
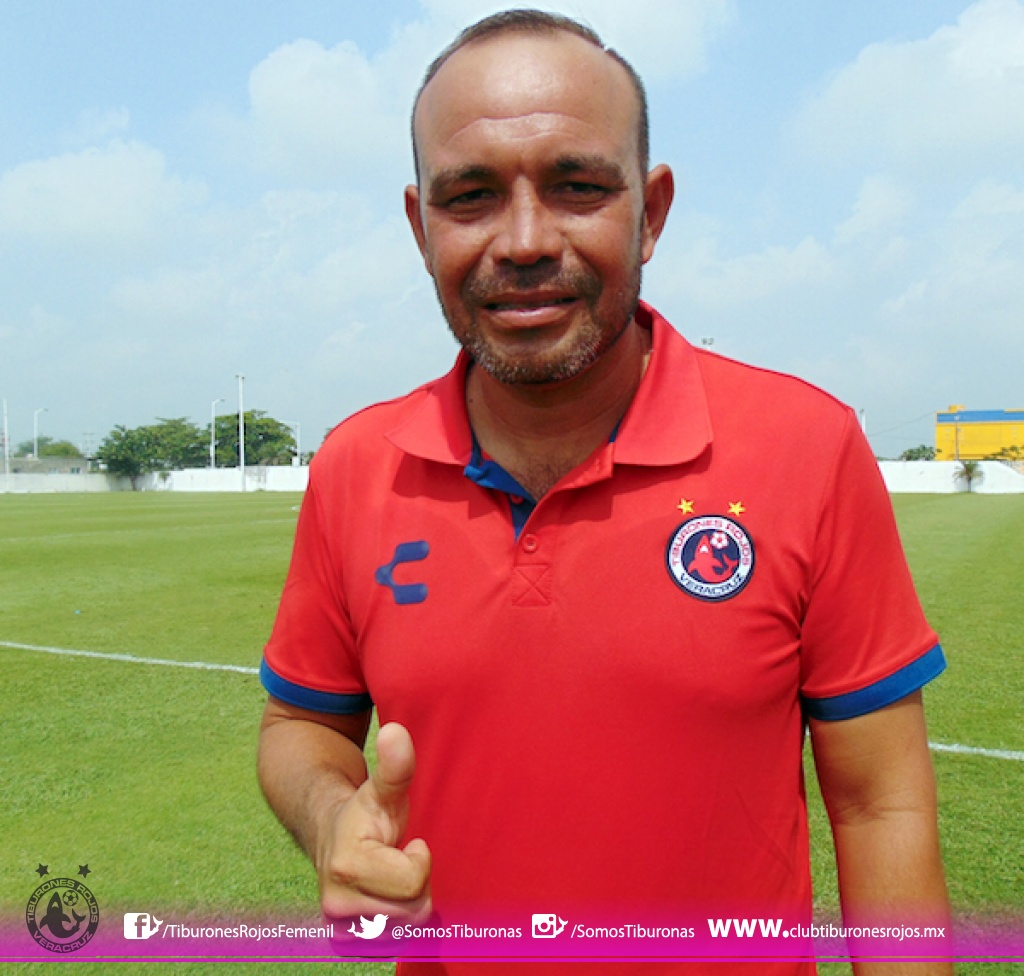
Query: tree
48	447
128	453
923	452
969	473
267	441
168	445
180	444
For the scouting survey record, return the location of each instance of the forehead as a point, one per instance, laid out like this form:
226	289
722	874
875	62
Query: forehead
517	87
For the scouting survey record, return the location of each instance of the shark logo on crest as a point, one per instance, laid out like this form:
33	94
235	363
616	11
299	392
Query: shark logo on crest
711	557
56	919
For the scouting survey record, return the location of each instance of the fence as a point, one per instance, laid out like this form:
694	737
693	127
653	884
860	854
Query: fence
257	478
928	477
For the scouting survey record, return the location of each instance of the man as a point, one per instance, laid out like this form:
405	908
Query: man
595	581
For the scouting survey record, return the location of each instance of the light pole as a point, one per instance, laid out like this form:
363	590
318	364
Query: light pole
35	432
213	431
7	449
241	428
297	427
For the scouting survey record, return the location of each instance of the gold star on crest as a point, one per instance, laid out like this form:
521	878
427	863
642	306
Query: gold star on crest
736	508
685	507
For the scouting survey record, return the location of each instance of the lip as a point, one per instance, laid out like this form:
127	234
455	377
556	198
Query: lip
521	309
526	301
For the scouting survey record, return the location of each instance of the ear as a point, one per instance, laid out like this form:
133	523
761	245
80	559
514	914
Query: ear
415	218
659	190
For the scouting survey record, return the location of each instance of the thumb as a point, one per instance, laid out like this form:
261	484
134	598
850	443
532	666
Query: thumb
396	765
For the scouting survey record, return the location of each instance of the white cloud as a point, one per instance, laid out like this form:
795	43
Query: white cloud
663	39
952	96
880	208
170	295
703	276
320	114
991	199
119	193
95	126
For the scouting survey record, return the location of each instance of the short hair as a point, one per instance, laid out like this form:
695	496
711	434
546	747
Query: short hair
527	21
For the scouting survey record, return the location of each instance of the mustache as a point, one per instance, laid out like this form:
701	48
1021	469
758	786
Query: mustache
484	288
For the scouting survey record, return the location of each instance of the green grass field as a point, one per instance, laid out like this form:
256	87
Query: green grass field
146	772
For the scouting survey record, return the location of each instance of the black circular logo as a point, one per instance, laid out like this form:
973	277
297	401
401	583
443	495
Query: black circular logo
62	915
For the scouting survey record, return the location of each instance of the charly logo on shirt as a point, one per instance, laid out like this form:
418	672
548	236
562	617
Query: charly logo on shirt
711	557
404	593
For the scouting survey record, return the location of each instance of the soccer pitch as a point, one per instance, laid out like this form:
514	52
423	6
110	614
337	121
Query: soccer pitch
146	772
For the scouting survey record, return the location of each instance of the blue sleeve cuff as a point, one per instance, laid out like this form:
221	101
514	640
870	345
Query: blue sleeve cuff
315	701
908	679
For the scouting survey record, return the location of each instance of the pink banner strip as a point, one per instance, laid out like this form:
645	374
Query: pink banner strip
142	937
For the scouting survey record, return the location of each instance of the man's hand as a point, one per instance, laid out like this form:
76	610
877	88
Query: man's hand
313	774
361	869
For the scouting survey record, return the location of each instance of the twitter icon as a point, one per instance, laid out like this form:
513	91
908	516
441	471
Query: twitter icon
370	930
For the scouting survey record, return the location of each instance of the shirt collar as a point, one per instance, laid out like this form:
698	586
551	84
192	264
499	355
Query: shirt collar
667	423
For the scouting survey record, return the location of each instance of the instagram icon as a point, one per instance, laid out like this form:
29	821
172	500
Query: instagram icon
548	926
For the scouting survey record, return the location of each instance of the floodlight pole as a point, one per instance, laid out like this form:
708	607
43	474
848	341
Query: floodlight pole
297	427
241	428
213	432
7	452
35	432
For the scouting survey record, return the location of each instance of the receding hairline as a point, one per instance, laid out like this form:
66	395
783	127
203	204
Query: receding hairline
538	23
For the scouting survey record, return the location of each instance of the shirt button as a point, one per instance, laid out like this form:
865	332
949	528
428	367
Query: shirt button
530	543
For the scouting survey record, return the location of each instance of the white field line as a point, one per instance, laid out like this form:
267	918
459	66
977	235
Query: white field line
206	666
131	658
974	751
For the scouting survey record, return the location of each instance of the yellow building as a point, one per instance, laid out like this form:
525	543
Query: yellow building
974	435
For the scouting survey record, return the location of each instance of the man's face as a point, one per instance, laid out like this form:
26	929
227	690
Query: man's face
531	208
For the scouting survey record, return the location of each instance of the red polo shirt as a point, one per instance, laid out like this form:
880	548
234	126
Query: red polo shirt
608	707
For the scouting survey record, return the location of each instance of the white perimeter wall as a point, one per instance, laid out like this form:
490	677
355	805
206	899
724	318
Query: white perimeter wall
926	477
196	479
939	477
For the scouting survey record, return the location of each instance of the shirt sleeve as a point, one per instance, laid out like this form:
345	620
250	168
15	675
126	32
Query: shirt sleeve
865	640
310	660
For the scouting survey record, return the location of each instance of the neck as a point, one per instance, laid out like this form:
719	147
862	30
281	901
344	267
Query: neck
539	433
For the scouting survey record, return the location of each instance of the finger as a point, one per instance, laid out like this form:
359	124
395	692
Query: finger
419	910
419	858
396	766
383	876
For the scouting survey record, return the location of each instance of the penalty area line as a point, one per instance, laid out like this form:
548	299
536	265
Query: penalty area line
131	658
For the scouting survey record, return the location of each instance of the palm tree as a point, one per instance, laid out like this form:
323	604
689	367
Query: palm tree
970	473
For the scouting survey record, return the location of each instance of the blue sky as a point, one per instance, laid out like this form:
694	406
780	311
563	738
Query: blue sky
193	190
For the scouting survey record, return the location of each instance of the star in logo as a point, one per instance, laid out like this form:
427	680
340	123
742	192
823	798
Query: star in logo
736	508
83	870
43	870
685	506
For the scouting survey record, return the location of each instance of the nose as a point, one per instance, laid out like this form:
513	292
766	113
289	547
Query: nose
530	231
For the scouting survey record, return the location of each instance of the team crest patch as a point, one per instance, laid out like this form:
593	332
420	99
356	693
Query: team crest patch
711	557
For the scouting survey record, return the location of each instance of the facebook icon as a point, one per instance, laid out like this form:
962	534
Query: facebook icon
140	925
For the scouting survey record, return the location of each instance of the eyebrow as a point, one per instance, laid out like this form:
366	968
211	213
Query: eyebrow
443	180
600	166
